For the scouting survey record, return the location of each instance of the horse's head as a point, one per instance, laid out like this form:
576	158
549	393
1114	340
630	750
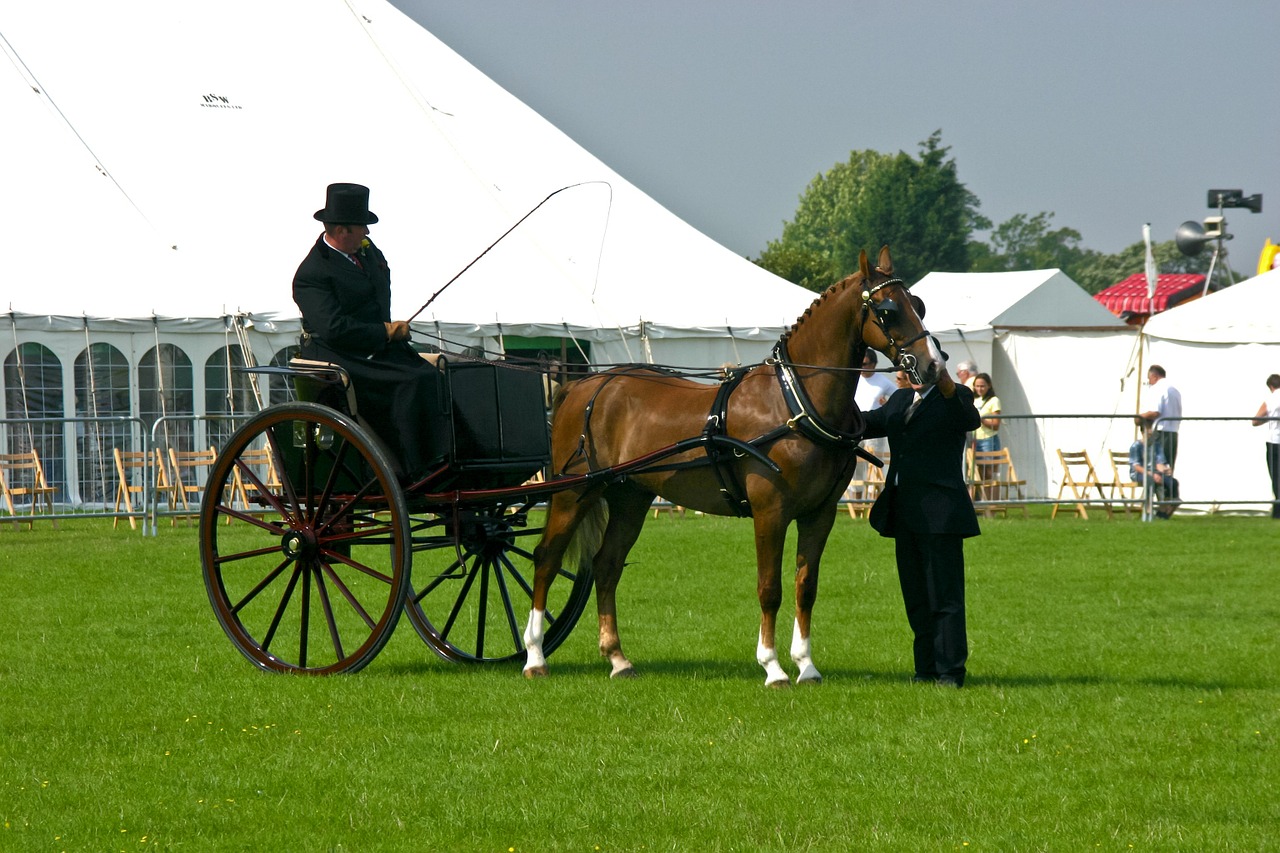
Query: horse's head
892	322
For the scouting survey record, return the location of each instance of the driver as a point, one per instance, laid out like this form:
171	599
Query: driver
343	289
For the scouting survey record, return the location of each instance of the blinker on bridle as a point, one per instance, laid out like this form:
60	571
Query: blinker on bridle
883	313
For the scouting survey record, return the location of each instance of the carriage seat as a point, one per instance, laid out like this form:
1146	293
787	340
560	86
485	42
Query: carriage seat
324	382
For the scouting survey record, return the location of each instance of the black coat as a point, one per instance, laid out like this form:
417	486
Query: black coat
924	489
343	305
344	310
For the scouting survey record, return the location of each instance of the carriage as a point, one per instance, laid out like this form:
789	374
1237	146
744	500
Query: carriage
308	531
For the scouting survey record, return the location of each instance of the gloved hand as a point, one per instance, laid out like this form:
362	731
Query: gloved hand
397	331
946	385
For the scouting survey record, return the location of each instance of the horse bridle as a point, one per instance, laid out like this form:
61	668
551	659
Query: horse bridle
882	313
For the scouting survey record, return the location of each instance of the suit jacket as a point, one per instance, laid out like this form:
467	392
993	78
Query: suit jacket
924	489
343	305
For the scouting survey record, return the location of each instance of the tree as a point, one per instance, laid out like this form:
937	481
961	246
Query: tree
916	206
1025	243
1096	271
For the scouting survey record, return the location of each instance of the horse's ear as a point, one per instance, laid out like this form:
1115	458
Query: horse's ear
885	264
864	265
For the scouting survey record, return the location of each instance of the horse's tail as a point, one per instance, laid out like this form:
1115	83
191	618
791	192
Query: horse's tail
588	537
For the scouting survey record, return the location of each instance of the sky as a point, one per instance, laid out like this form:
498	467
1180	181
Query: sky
1106	114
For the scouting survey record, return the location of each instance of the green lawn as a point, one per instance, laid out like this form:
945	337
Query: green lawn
1124	694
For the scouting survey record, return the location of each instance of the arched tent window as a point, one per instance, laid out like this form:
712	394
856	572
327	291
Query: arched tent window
102	392
226	392
281	389
165	391
33	389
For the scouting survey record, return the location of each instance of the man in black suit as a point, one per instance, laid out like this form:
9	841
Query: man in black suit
926	509
343	289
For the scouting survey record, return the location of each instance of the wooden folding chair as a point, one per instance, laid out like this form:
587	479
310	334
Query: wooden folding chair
862	493
996	482
22	476
263	465
1078	474
1124	492
131	476
185	489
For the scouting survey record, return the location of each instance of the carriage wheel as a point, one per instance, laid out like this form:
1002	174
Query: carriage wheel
304	542
474	585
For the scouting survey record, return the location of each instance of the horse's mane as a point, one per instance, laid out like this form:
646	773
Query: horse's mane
841	285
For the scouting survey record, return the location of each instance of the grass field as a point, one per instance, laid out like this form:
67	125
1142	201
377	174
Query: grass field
1124	694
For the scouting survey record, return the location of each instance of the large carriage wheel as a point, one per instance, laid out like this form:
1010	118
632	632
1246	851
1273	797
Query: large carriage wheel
473	587
304	541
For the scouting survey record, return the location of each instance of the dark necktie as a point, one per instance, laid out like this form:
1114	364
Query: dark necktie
915	404
355	260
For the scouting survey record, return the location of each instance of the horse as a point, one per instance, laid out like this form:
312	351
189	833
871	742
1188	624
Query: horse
780	442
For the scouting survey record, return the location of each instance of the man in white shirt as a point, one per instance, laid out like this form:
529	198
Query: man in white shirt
873	388
872	392
1164	402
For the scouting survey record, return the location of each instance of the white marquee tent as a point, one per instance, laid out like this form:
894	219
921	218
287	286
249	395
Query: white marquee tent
161	163
1219	351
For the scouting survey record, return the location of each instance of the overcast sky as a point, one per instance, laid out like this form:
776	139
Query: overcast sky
1107	114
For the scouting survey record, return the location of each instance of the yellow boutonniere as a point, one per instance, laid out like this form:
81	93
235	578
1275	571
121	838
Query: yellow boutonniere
365	244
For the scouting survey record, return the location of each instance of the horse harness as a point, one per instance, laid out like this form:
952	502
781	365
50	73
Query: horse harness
722	450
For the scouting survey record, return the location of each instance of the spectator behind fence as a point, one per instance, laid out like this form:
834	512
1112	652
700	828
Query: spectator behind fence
1270	408
1164	487
986	436
1164	402
965	373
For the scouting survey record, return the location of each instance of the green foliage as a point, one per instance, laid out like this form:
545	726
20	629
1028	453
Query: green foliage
1026	243
1096	272
916	206
919	208
1123	694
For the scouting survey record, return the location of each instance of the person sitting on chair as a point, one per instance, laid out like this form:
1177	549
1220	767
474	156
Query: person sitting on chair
343	289
1164	487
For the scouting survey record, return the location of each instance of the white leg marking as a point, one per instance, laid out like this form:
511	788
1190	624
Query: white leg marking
800	654
768	658
533	634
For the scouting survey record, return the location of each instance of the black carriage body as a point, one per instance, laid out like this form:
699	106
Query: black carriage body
494	430
488	425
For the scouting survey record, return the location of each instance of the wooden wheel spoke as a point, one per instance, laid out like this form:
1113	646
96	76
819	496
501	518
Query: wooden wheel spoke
346	592
283	607
460	600
261	585
449	574
327	607
499	563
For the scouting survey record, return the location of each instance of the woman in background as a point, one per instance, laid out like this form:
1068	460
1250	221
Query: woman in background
987	435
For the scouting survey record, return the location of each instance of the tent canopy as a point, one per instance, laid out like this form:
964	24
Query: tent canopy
1248	312
167	164
973	302
1130	296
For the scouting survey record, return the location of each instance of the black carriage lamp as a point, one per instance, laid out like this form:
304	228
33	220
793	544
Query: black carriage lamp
1191	236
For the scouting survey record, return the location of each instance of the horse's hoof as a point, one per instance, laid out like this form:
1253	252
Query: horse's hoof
536	672
810	676
625	672
780	684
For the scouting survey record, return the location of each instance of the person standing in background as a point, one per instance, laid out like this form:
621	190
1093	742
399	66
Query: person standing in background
1164	407
1269	416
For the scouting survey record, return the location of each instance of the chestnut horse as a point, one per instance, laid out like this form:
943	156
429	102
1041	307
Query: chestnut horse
791	427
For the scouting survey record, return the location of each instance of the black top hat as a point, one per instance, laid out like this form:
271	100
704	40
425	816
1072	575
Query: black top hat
346	204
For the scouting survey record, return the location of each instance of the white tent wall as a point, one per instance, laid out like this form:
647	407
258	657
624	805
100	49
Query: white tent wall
1046	372
1218	351
162	163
